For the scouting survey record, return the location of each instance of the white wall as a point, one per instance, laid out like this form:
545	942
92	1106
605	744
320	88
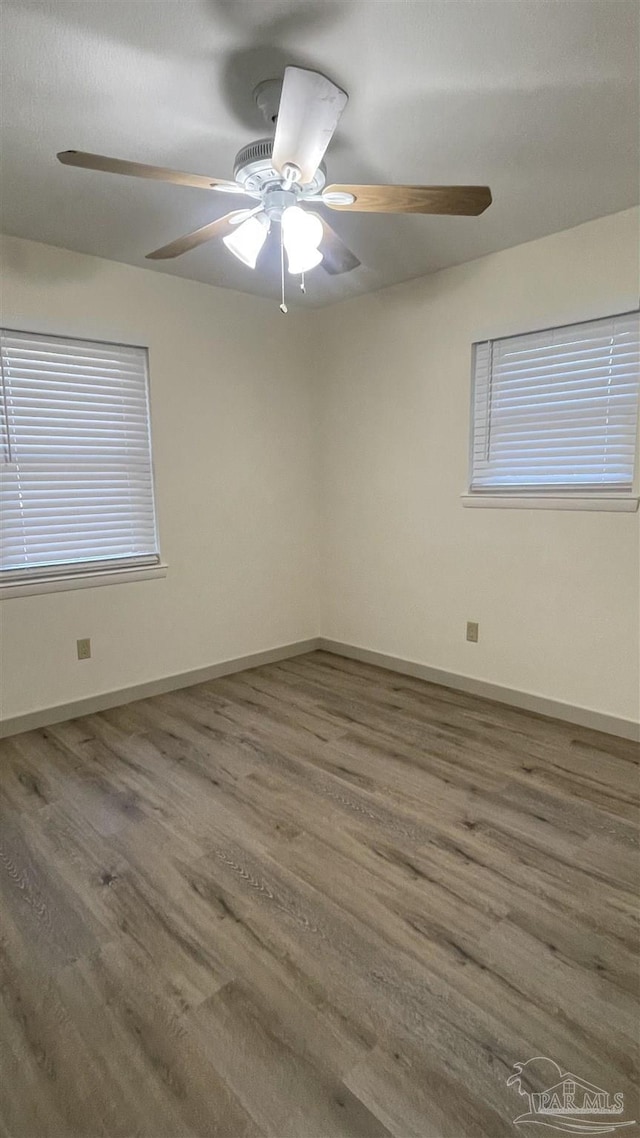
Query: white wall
404	564
325	454
235	482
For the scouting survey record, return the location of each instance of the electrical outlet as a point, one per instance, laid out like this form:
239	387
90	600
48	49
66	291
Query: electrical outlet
472	631
84	649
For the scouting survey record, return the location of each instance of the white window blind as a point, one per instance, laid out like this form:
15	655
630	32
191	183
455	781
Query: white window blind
76	484
557	410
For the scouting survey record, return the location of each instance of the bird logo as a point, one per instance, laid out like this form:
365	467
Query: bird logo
563	1101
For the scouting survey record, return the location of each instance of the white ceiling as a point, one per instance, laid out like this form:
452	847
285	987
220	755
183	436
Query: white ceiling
536	98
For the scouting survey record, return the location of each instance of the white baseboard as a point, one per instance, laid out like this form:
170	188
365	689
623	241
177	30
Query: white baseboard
90	704
526	701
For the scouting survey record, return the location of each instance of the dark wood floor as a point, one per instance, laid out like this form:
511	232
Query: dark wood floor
312	900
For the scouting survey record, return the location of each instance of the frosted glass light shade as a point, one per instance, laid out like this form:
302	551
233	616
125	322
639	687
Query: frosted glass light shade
300	226
247	240
303	261
302	233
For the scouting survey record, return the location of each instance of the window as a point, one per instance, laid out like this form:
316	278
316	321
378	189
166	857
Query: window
556	412
76	483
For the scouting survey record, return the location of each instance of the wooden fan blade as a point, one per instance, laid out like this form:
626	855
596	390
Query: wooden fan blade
139	170
218	228
310	107
336	256
463	200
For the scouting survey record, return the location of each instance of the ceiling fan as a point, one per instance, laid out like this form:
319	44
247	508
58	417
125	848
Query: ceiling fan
284	175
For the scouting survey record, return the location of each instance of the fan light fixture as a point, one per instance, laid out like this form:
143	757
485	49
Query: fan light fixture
305	262
301	233
247	240
284	172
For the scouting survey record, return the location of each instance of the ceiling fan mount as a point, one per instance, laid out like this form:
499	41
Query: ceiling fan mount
267	97
285	174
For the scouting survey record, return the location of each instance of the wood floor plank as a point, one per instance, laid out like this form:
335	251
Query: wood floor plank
414	1099
53	1086
35	902
151	1054
316	899
289	1095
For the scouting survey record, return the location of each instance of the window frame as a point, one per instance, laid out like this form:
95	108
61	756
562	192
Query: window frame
83	574
551	498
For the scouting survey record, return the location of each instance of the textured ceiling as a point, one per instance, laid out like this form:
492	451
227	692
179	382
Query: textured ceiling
536	98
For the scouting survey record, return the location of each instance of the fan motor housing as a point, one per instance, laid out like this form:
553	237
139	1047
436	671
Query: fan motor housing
254	169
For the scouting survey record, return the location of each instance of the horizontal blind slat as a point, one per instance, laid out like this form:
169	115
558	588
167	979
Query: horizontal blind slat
557	407
76	485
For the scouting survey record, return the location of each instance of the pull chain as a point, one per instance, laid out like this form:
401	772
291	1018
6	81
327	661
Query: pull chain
283	307
302	288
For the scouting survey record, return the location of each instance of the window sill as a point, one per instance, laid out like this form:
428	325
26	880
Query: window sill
81	581
627	503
